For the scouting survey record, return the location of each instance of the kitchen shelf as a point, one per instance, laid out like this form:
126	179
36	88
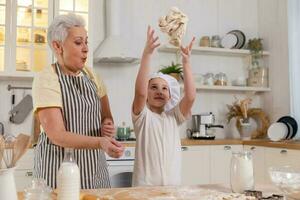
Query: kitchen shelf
212	51
19	75
232	88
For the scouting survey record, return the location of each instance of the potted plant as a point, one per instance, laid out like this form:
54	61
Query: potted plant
258	72
174	70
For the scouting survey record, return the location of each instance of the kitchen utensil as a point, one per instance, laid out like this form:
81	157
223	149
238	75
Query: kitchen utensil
7	184
277	131
21	111
21	145
287	179
9	150
292	124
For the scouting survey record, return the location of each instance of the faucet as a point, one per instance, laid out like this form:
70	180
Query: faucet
1	128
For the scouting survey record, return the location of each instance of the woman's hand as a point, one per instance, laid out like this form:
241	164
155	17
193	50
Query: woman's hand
108	128
112	147
151	42
186	52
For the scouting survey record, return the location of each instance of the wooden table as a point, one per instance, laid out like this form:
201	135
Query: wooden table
165	193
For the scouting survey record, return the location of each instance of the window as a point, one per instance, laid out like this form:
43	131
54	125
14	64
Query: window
23	33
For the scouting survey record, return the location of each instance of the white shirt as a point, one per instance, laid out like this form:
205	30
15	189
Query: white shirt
158	147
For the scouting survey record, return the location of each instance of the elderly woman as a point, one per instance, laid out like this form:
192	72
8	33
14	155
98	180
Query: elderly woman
73	108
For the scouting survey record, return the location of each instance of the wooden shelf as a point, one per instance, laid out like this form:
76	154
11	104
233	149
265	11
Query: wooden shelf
19	75
212	51
232	88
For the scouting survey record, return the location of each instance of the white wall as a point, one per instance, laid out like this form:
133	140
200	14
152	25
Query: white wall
207	17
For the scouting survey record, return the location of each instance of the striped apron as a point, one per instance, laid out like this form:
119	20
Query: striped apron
81	114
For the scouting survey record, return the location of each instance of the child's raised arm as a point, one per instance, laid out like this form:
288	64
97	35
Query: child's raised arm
187	101
142	79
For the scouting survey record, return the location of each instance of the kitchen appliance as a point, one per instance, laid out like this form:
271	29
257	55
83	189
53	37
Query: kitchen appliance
120	169
200	124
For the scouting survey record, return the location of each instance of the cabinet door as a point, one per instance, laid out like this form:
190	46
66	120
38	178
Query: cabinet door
26	161
280	157
195	165
258	155
220	163
23	178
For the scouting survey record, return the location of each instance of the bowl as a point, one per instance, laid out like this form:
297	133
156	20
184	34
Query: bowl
287	179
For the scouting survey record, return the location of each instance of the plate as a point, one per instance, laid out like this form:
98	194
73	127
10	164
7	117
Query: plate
229	41
277	131
292	123
241	38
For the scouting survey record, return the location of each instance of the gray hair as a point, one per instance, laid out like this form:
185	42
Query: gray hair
58	29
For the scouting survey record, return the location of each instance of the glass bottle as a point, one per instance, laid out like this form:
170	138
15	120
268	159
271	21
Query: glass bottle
241	172
68	178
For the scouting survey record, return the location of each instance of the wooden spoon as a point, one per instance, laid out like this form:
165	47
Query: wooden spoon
20	147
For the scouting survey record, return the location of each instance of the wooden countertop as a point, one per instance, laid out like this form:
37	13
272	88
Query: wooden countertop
289	144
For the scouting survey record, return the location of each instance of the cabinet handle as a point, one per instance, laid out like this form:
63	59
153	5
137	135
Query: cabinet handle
252	148
283	151
184	148
29	174
227	148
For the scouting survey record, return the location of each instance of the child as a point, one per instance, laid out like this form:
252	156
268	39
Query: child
157	114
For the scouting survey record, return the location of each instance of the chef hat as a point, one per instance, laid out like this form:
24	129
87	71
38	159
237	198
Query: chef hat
174	89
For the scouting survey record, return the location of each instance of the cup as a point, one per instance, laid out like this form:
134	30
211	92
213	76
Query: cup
7	184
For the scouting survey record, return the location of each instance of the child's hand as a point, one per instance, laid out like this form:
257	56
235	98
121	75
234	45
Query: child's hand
186	51
151	41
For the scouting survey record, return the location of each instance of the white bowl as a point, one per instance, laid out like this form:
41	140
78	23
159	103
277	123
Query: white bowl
287	179
277	131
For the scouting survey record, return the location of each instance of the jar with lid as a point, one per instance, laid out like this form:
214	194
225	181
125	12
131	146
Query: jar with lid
68	178
205	41
38	190
220	79
215	41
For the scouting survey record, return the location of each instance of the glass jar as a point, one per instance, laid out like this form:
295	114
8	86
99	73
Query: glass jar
241	172
215	41
220	79
38	190
205	41
209	79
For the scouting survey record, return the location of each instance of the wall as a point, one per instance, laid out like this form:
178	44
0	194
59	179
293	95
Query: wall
206	17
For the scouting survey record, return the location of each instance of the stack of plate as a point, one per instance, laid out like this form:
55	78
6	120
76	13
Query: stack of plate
234	39
284	129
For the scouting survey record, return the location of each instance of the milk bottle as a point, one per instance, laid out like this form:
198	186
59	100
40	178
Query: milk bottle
241	172
68	178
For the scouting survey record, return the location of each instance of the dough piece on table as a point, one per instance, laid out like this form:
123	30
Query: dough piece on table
174	24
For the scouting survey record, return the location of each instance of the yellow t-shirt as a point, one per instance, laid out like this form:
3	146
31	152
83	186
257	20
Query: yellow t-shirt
46	90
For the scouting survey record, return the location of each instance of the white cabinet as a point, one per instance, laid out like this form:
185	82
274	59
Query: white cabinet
195	165
24	170
280	157
220	163
258	155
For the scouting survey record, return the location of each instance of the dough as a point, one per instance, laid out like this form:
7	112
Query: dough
174	24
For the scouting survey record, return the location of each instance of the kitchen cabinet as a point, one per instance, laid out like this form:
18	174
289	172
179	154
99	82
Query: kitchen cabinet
220	158
242	53
23	33
195	165
24	170
280	157
258	156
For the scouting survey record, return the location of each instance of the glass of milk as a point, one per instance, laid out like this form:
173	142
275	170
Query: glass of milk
241	172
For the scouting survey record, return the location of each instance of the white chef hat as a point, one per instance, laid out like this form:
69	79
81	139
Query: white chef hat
174	89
